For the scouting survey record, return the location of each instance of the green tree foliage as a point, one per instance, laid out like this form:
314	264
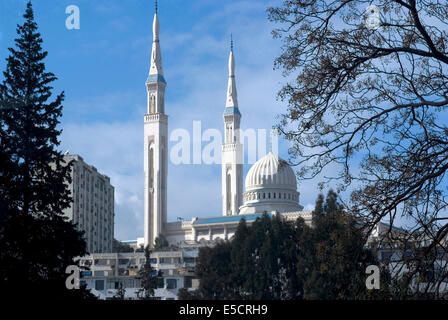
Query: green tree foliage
367	90
334	263
259	263
37	242
121	247
160	242
278	259
147	275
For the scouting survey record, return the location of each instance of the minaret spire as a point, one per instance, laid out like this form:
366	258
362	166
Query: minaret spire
156	56
232	149
155	145
232	100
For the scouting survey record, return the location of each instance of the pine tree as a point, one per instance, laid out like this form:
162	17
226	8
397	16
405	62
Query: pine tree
147	276
37	242
335	259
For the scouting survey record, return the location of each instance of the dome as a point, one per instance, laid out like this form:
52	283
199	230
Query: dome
271	185
271	171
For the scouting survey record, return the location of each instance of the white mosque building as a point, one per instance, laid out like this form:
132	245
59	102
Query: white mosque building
270	184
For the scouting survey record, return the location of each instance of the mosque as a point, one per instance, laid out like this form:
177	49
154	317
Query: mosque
270	184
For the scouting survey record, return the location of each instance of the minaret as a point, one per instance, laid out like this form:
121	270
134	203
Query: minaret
155	148
232	149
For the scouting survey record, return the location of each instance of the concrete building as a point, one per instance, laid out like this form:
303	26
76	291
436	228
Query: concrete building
106	272
92	209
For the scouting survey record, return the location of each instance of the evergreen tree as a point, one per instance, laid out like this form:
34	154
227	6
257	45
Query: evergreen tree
214	270
147	276
121	247
160	243
37	242
281	260
258	263
334	263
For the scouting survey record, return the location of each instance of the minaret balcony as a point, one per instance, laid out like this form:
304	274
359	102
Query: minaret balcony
155	117
231	146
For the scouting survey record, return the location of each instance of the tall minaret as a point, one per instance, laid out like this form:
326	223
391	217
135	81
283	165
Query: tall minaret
155	148
232	149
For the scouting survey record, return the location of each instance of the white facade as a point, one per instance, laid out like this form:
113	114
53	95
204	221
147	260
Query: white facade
232	149
155	146
92	207
270	186
106	273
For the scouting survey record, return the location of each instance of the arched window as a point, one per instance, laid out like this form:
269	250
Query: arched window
153	103
228	193
151	167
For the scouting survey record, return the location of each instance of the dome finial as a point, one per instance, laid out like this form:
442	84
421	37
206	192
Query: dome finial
231	42
156	6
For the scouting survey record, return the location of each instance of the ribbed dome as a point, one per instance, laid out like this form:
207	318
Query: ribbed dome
271	171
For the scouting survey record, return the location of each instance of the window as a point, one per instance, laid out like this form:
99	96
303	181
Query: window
165	260
187	282
171	283
99	273
176	260
188	260
159	282
99	285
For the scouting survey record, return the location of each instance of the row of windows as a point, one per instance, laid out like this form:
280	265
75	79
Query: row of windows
267	195
131	283
132	261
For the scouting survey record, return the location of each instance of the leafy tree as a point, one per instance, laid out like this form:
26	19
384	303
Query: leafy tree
37	242
160	242
121	247
373	100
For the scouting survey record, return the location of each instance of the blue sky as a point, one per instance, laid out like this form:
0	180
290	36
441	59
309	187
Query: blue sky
102	68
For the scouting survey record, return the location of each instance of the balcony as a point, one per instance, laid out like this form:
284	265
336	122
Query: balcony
154	117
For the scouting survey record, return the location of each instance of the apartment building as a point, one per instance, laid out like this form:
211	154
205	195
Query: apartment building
105	273
92	208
